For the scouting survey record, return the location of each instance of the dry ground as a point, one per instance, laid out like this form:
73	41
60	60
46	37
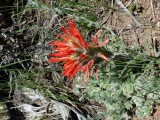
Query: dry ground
148	15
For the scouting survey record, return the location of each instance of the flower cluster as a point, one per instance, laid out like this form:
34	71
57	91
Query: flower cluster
76	54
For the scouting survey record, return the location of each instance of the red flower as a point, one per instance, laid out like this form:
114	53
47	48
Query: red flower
75	52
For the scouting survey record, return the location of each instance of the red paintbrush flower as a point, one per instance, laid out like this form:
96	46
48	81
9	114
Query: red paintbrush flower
76	54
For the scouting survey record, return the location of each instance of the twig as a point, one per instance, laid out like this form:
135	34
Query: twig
129	3
10	85
152	10
126	10
104	21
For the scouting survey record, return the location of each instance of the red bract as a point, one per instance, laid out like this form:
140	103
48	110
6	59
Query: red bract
76	54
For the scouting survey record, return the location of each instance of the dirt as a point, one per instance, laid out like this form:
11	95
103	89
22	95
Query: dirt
149	18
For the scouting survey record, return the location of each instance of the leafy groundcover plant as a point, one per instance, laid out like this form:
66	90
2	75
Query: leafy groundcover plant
128	83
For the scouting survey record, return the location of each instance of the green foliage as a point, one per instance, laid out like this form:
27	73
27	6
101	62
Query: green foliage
83	12
127	85
36	79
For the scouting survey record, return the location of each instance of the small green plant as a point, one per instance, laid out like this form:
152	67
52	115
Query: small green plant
127	86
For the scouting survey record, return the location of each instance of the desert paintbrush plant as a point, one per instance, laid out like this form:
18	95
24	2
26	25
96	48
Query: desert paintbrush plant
76	54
